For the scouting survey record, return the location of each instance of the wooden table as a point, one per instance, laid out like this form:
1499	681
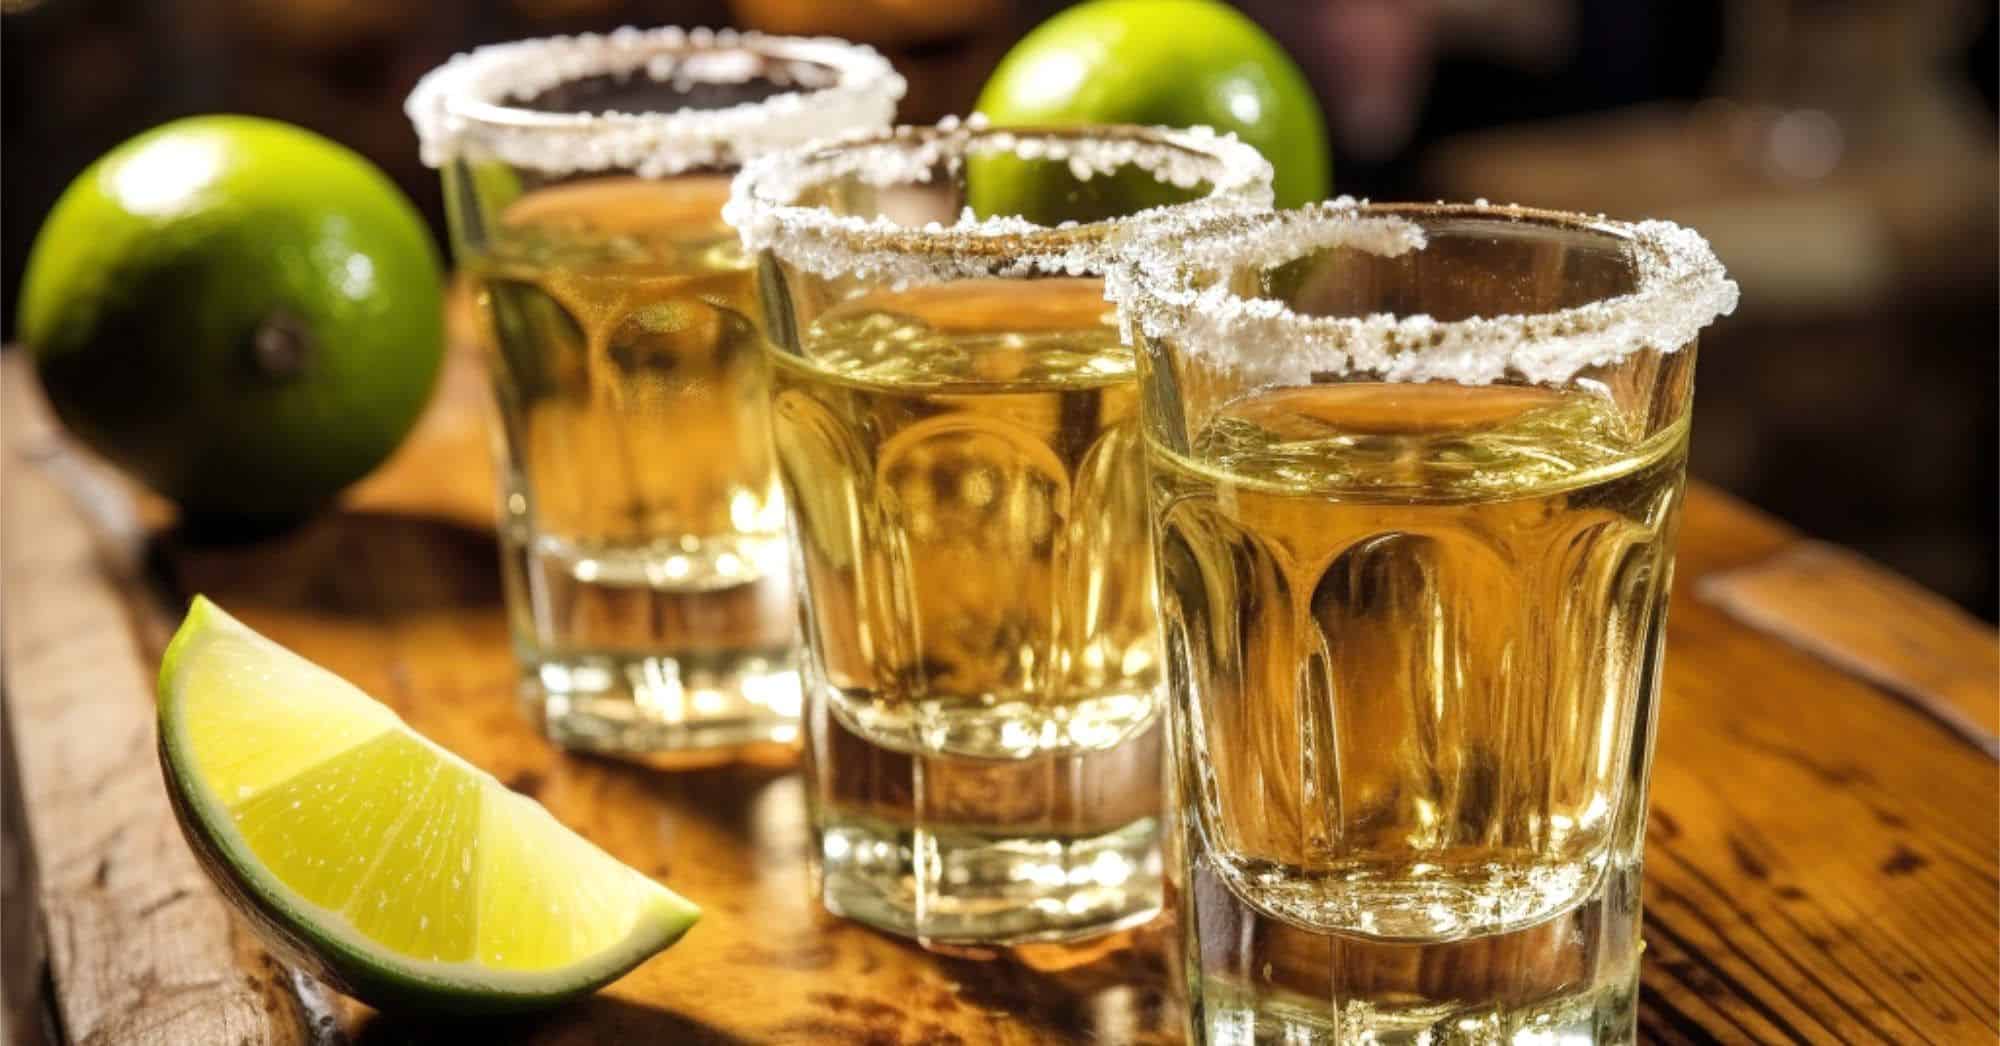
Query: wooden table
1822	846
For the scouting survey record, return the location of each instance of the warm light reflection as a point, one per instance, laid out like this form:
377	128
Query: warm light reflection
167	175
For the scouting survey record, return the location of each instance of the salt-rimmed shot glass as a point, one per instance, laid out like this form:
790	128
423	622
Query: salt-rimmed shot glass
645	571
1415	477
955	418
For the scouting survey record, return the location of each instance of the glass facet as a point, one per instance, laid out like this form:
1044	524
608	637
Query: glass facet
645	564
1413	628
956	426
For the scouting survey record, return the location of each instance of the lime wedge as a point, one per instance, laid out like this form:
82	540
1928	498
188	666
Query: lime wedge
389	867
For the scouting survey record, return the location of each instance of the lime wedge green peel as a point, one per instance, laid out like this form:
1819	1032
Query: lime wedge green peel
391	868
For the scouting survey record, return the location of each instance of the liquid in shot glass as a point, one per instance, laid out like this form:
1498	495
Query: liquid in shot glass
1415	477
956	424
645	564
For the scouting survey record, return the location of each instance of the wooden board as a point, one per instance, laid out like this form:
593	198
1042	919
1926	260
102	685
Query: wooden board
1821	859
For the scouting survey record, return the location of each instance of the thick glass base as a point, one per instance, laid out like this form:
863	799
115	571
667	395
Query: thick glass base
654	652
1603	1015
655	709
976	853
1571	979
988	889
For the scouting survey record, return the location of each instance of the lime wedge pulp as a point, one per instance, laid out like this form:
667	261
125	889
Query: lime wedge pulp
375	859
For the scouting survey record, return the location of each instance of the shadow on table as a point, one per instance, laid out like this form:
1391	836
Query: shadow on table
1106	990
726	789
346	563
1109	990
586	1022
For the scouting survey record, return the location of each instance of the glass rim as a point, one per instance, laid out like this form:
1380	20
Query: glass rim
764	209
468	97
1679	289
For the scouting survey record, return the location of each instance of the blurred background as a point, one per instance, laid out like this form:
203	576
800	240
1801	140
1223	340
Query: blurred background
1839	153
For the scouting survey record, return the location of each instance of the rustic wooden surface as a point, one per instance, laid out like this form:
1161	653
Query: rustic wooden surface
1822	851
1876	625
143	949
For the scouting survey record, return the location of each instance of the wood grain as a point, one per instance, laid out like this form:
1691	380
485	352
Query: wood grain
1872	623
139	948
1821	858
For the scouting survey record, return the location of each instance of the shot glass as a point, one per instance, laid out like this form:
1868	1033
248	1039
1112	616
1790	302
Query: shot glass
1415	475
956	426
645	571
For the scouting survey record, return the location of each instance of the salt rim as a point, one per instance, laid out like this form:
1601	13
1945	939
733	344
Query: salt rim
762	202
467	97
1680	289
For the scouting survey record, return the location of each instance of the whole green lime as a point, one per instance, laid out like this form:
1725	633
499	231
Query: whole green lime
242	314
1172	62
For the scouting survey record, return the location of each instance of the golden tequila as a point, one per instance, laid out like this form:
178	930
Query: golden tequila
647	572
1415	630
643	535
963	464
971	509
956	420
